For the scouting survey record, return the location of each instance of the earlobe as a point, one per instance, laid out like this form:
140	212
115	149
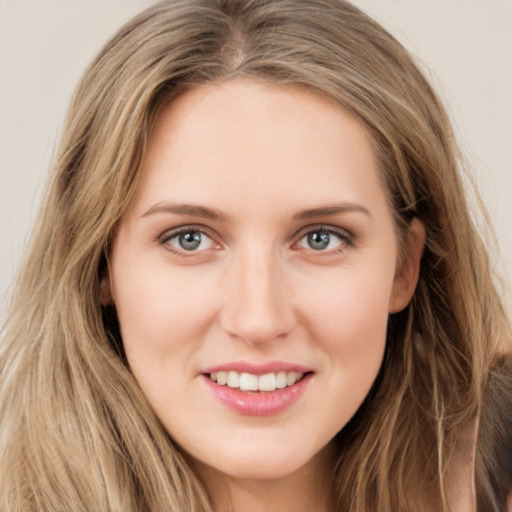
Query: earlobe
408	273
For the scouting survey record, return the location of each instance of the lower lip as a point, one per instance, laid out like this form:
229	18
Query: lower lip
262	403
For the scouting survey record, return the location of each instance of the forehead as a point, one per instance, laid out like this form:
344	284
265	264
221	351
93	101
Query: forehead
260	141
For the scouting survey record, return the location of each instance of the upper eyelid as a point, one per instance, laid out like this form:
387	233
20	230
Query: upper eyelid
172	232
343	232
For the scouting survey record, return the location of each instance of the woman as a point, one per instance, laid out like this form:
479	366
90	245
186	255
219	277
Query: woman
255	283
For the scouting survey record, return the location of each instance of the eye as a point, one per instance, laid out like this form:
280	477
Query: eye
324	239
187	240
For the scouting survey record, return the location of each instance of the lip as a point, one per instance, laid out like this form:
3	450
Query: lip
257	403
258	368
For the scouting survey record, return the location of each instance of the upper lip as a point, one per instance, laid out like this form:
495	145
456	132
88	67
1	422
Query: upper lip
258	368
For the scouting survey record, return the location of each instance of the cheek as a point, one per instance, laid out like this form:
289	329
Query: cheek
160	311
163	316
350	310
348	320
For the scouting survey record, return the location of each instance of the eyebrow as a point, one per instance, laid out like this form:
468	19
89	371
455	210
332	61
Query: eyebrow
208	213
185	209
332	210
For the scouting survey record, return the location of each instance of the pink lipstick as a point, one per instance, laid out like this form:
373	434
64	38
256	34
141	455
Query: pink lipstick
257	390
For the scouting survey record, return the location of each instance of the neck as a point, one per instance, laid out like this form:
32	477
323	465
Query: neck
306	489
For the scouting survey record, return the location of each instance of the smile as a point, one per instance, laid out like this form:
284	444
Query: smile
250	382
258	390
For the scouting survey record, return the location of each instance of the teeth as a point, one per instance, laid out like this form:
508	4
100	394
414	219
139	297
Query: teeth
233	379
281	380
291	378
250	382
267	382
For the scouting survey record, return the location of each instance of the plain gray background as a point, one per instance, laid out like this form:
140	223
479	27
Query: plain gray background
465	46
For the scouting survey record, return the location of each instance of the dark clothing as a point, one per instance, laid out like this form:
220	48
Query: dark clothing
494	452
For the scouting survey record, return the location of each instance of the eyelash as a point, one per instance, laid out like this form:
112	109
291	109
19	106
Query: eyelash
346	239
165	238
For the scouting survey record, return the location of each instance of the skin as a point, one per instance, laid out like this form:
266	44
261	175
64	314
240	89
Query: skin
255	290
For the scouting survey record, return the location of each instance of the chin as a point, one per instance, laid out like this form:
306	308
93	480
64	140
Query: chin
261	470
259	464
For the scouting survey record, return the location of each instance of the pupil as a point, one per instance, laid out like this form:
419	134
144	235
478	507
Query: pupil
318	240
190	240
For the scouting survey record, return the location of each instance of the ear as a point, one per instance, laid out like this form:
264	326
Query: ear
105	290
406	277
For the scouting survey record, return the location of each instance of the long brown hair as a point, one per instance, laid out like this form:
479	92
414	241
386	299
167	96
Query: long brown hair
76	433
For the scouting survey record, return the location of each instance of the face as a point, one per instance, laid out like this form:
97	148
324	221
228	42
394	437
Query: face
253	274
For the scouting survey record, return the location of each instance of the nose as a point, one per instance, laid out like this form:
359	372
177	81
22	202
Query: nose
257	301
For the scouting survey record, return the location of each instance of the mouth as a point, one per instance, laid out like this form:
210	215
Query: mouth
258	391
245	381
